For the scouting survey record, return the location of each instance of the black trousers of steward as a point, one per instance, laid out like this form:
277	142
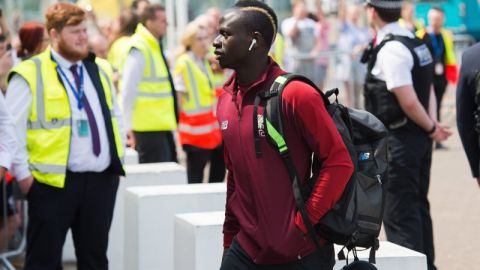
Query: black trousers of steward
407	210
85	205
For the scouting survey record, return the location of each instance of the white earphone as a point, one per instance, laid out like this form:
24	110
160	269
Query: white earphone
254	41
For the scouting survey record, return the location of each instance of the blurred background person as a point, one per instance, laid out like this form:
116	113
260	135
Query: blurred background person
322	33
198	128
98	44
33	39
407	19
123	29
352	41
440	44
6	61
138	6
301	34
148	93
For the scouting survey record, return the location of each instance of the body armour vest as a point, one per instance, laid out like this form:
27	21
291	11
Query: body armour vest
383	103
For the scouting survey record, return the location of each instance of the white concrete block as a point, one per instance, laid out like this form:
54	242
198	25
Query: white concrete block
192	232
167	173
131	156
390	257
149	223
198	246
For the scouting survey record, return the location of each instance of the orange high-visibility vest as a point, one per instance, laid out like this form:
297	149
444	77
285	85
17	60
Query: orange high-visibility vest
198	125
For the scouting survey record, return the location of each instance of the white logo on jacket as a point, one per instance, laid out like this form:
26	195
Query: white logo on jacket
261	125
224	125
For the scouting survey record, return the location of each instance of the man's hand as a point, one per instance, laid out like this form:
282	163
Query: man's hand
26	184
2	173
442	132
130	139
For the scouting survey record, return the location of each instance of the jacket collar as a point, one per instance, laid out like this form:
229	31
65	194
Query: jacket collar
232	87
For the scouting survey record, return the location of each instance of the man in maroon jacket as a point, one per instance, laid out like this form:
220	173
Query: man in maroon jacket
262	228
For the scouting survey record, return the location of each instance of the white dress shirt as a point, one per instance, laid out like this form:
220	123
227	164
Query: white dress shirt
132	75
8	143
394	61
81	157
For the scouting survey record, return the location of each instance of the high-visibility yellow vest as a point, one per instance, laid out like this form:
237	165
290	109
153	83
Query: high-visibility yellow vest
49	123
198	125
448	40
278	50
154	108
118	52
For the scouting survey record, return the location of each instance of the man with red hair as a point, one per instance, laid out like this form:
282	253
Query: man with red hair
68	163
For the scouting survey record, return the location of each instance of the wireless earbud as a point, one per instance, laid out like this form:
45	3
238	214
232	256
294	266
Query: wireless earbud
254	41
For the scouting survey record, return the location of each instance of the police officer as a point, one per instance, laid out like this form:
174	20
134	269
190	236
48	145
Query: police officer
70	144
149	100
399	92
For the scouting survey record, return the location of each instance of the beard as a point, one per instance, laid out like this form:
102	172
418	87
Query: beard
66	50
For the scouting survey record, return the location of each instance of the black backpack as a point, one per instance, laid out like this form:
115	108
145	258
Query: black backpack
356	219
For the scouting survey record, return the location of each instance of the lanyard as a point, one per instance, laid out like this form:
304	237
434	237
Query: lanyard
437	45
77	93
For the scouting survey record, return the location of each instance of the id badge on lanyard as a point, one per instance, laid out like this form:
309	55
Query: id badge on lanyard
83	129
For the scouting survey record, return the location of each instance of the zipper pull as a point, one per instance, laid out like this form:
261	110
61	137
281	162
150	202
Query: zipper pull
379	179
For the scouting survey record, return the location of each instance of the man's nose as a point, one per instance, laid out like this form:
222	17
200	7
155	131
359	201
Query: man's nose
216	41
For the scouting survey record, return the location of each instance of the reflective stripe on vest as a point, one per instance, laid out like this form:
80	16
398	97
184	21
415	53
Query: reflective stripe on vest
48	138
198	129
153	108
198	108
41	122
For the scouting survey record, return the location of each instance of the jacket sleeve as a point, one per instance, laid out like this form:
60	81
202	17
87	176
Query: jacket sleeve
230	225
317	128
465	107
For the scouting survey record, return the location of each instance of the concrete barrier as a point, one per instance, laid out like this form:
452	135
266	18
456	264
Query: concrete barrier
149	223
198	246
131	156
168	173
192	232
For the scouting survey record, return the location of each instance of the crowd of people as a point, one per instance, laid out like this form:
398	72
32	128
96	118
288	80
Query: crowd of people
72	101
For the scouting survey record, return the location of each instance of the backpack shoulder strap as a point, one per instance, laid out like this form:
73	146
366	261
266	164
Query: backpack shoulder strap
273	119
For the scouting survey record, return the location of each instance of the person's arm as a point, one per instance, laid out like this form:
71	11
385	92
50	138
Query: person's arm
8	143
230	225
302	106
132	75
396	63
465	104
19	100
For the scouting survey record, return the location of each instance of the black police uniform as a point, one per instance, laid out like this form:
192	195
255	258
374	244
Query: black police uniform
407	218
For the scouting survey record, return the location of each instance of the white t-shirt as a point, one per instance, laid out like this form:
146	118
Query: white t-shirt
306	37
394	61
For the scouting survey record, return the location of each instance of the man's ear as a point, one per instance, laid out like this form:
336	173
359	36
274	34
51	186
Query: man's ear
260	40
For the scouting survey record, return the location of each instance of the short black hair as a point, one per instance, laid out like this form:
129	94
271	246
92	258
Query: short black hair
388	15
266	25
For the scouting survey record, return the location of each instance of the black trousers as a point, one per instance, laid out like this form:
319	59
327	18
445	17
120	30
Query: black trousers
155	146
439	87
237	259
197	159
407	210
85	205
